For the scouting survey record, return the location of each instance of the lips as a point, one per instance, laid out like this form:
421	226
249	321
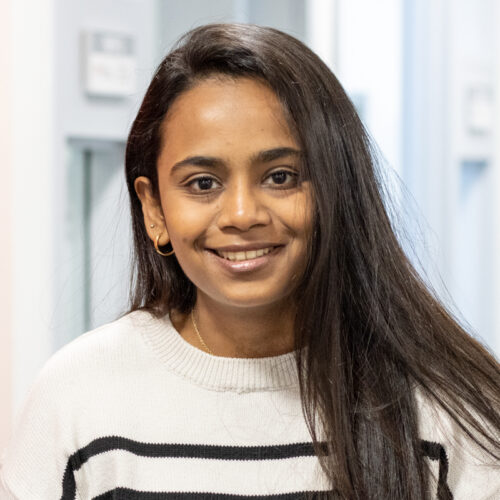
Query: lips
247	255
243	253
246	265
246	248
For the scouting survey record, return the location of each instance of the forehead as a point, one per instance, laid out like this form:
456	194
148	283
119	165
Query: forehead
229	111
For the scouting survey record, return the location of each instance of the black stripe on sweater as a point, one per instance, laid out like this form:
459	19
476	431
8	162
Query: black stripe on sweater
126	494
436	451
155	450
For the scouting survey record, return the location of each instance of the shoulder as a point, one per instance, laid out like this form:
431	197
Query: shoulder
108	336
80	383
95	362
109	344
457	459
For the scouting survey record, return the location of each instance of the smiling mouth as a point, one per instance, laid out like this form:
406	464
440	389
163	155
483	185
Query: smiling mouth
241	256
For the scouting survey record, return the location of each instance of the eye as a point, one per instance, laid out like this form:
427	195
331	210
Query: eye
204	183
284	177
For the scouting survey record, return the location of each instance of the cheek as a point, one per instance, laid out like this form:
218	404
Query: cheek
299	216
307	214
188	233
184	232
184	221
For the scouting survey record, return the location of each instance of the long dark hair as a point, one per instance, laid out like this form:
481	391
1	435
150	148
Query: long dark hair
373	329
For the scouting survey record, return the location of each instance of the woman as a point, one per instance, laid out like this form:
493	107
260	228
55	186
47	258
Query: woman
279	340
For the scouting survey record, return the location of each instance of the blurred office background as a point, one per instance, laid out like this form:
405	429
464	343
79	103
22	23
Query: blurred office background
422	73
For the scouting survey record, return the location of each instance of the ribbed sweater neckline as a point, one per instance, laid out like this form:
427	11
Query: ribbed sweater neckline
216	372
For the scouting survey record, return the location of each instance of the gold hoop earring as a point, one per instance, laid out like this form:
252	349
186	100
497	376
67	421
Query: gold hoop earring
159	251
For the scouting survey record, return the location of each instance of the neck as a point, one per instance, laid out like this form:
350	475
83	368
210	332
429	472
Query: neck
233	332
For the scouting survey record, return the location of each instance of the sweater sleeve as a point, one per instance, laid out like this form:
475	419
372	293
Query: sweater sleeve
32	466
473	473
465	469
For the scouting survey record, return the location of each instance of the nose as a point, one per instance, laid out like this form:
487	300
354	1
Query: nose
242	207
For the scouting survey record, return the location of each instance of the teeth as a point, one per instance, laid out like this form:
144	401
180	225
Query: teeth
251	254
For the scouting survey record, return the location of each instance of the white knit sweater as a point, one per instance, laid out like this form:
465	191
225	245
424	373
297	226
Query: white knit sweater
133	411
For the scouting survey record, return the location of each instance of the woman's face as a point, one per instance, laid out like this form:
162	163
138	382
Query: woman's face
227	174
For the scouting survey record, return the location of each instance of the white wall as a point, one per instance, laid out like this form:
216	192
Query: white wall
495	271
6	146
80	117
451	50
33	190
369	66
44	107
321	30
285	15
473	56
178	17
28	147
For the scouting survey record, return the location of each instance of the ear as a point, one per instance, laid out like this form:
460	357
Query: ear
152	210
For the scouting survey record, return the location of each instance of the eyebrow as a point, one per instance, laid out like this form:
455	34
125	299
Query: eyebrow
265	156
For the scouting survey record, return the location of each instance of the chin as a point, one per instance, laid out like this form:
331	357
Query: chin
253	301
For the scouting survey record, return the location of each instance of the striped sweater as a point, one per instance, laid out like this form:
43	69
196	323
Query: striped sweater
133	411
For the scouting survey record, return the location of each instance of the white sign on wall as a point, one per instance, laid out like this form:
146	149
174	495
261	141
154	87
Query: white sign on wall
109	64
